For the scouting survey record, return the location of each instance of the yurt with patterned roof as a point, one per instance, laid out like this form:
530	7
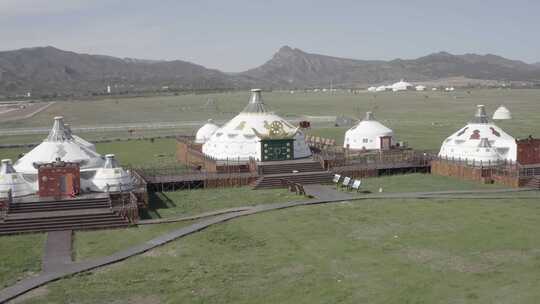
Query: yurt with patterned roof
257	133
480	140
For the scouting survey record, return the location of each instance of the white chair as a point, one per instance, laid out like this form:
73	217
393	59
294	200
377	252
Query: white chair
356	184
346	182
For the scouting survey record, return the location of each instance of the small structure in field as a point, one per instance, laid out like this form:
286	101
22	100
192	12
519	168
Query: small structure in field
369	134
502	113
401	85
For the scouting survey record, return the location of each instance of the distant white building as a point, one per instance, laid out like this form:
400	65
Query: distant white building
372	89
420	88
369	134
401	86
108	89
381	88
502	113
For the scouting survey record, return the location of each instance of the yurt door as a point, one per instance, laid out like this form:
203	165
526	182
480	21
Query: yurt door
386	142
66	184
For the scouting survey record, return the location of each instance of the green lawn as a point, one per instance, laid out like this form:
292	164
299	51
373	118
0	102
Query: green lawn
20	257
423	119
98	243
191	202
398	251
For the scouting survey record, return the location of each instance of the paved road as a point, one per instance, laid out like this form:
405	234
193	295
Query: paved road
57	251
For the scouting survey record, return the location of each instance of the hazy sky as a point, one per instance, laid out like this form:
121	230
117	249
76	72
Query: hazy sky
236	35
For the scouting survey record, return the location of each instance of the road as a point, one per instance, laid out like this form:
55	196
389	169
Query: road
144	126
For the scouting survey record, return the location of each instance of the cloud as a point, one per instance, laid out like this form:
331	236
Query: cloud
22	8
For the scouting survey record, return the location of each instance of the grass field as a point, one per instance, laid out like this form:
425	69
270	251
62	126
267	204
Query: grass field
20	257
423	119
367	252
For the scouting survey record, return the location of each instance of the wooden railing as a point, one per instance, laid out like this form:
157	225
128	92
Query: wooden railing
125	204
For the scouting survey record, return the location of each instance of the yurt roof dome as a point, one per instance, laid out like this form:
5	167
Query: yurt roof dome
204	133
59	144
11	180
256	103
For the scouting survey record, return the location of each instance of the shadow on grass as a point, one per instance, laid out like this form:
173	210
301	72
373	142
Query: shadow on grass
157	201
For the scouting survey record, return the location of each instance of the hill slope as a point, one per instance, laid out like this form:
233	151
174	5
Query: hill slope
46	70
293	67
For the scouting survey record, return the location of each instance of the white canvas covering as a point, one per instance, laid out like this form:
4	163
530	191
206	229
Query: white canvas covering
204	133
111	177
239	139
367	134
14	181
401	86
480	140
502	113
420	88
59	144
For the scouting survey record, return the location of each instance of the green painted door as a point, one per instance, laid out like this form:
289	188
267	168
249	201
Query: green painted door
277	149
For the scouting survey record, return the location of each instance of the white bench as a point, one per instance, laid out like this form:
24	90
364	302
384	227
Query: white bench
356	184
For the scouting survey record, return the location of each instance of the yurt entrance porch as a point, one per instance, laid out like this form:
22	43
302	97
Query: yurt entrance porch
277	149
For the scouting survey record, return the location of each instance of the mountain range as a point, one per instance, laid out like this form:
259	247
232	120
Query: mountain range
47	70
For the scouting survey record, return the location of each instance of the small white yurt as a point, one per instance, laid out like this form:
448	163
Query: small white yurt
502	113
11	180
240	138
372	89
420	88
381	88
204	133
480	140
111	177
59	144
368	134
402	85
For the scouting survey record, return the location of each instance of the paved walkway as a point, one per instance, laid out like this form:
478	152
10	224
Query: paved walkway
70	269
57	251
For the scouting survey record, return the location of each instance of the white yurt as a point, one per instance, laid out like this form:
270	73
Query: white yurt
111	177
502	113
480	140
367	134
14	181
204	133
372	89
420	88
240	138
381	88
61	144
402	85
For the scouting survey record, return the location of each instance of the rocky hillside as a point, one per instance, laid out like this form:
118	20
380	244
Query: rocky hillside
47	70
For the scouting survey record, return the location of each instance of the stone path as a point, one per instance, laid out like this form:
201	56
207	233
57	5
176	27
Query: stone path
57	251
69	269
